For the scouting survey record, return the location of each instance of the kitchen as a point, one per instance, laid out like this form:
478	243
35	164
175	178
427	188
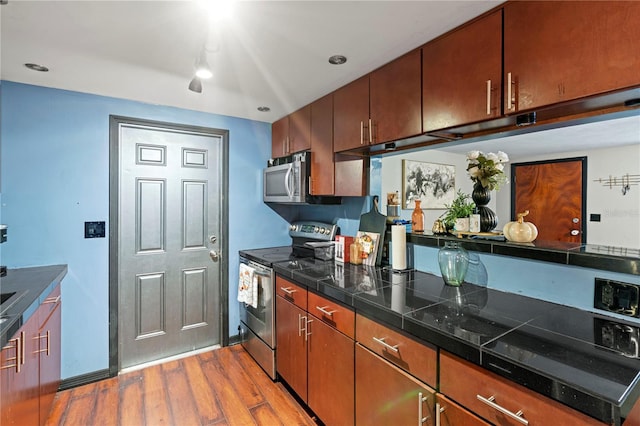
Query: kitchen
67	121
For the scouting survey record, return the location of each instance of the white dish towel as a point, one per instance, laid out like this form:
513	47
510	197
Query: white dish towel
248	286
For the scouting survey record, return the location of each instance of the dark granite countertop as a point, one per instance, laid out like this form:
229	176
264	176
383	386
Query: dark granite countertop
587	361
32	286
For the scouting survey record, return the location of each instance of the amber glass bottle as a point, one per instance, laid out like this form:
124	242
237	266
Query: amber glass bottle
417	218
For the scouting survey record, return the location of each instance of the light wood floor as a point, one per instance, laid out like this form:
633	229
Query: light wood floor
221	387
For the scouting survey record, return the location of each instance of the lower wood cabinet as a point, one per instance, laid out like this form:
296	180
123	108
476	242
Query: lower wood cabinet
448	413
315	351
501	401
386	395
30	366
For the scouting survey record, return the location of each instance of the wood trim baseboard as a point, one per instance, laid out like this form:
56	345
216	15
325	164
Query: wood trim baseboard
84	379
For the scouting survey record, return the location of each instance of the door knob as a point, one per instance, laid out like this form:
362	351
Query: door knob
214	255
575	220
574	232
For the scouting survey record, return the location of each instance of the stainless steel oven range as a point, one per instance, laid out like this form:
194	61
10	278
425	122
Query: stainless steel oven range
257	321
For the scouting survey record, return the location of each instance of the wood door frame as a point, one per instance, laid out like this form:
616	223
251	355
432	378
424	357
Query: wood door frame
114	179
583	207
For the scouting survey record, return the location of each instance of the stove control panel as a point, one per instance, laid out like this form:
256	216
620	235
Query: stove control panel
315	230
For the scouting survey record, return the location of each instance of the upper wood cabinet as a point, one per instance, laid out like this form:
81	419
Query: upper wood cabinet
461	75
351	115
395	99
382	106
322	165
279	137
560	51
291	133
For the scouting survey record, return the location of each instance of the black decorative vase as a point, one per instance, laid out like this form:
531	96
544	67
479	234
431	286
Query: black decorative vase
481	196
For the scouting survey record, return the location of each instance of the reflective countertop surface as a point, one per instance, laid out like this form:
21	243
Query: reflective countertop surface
588	361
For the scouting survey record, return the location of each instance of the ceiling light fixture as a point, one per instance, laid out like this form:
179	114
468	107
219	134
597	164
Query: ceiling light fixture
195	85
337	59
203	70
264	109
36	67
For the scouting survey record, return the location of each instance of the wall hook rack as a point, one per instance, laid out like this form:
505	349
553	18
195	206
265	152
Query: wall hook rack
624	181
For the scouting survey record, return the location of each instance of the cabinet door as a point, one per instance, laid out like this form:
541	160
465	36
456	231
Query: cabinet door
396	99
331	374
280	137
461	75
351	115
291	350
448	413
351	176
559	51
322	166
300	130
49	340
20	389
386	395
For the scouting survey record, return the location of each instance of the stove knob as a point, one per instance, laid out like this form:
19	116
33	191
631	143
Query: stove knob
316	229
325	231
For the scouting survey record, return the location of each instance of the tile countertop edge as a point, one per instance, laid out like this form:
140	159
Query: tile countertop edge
575	398
38	282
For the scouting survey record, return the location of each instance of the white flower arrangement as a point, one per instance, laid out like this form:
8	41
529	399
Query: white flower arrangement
487	169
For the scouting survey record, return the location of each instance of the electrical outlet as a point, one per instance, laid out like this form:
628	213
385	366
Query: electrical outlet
622	338
616	296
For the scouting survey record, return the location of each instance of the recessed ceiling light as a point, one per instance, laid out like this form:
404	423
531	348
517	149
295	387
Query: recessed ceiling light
337	59
36	67
264	109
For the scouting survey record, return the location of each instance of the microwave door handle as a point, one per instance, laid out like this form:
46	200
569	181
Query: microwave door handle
287	180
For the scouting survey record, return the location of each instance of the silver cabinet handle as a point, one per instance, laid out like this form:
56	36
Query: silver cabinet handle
421	400
510	102
370	131
385	344
288	290
323	309
439	411
488	97
307	330
52	300
361	132
300	328
515	416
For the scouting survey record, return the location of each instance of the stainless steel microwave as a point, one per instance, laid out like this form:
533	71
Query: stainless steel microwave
288	182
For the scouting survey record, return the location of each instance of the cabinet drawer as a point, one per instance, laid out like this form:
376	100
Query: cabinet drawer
498	399
291	292
416	358
337	316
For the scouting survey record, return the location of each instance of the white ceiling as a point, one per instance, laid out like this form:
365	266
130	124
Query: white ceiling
269	53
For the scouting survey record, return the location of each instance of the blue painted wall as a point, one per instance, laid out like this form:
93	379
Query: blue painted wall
564	285
55	176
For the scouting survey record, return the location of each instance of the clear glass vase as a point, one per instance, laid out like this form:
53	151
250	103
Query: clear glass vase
454	261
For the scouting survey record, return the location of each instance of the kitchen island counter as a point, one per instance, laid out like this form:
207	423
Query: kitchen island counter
32	286
582	359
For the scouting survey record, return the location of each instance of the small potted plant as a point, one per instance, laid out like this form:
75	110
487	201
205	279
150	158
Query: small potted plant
461	208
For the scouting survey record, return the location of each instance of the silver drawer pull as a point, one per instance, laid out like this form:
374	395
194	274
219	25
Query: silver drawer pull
386	345
52	299
323	309
439	410
514	416
288	290
421	400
